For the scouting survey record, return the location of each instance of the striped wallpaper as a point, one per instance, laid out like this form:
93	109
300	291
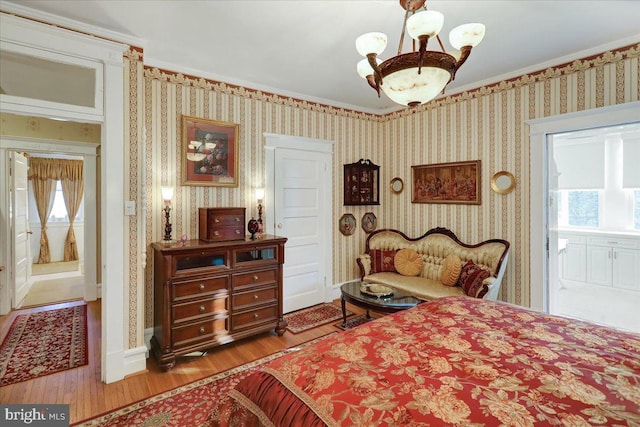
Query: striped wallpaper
486	124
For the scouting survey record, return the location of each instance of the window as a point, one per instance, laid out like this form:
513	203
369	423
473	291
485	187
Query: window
583	208
59	209
578	208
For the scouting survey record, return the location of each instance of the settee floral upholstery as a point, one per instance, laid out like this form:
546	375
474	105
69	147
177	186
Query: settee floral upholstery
434	246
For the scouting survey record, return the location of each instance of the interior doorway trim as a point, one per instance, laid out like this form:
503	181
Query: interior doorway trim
539	129
89	152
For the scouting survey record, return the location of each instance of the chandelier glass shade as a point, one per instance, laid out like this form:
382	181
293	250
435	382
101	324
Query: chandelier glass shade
419	76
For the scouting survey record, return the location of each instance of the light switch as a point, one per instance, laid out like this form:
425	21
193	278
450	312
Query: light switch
130	207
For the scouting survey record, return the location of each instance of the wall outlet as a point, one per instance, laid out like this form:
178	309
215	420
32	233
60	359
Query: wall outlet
130	207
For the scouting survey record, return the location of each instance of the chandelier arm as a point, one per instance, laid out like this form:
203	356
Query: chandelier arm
371	57
424	39
404	25
440	43
465	51
372	82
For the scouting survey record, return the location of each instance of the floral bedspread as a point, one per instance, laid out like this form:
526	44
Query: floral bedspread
452	361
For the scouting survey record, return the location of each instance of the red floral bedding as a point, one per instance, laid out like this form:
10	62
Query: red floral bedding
452	361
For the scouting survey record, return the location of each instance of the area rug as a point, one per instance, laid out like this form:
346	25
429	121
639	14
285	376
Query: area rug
188	405
354	321
43	343
302	320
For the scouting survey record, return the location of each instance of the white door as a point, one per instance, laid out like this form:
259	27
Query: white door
20	228
302	180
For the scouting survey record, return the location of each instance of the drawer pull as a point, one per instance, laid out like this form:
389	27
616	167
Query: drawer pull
255	297
216	220
237	219
201	286
237	231
202	309
216	233
255	315
255	277
201	330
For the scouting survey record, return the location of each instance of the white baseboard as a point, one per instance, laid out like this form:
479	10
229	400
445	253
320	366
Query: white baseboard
135	360
148	333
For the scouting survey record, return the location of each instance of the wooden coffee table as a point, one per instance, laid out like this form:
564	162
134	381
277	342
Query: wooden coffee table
396	302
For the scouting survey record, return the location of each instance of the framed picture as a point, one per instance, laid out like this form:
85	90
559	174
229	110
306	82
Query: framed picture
347	224
457	182
369	222
209	152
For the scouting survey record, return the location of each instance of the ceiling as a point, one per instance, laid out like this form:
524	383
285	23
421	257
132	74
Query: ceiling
306	49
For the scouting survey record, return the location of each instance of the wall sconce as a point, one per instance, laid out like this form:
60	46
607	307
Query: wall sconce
260	197
167	196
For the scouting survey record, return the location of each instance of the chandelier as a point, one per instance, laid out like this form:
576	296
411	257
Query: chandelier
419	76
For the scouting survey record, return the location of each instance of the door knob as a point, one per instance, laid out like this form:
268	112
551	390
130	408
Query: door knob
29	232
279	225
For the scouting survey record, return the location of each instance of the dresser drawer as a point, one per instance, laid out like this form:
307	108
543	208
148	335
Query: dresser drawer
254	297
197	309
261	277
199	288
225	233
254	317
201	331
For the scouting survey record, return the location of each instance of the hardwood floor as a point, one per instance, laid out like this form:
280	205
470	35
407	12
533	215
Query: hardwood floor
88	396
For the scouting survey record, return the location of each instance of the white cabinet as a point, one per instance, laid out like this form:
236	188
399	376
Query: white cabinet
574	258
613	262
626	269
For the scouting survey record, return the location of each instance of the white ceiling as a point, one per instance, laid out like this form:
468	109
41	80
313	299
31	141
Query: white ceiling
306	49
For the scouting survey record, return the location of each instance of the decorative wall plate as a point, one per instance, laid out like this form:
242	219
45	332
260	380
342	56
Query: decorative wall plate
369	222
503	182
347	224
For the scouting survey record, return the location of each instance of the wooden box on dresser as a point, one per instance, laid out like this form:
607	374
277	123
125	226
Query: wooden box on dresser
210	293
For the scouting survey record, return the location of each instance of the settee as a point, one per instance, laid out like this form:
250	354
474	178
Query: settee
434	265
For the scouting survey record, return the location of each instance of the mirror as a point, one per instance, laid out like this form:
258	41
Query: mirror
397	185
503	182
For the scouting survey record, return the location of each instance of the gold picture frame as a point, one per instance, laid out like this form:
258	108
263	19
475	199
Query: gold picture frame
210	152
455	182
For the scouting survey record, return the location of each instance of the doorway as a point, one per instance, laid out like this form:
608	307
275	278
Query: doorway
594	216
299	193
85	278
58	275
543	245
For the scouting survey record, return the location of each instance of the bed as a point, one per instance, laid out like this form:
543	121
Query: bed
451	361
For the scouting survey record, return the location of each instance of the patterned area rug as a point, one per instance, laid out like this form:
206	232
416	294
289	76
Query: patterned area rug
354	321
43	343
301	320
188	405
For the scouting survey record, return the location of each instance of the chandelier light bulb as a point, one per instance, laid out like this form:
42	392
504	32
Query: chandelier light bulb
467	35
371	43
425	23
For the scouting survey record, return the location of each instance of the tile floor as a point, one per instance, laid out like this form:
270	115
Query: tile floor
605	305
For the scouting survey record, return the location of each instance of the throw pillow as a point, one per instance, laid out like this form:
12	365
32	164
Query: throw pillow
382	260
471	278
451	268
408	262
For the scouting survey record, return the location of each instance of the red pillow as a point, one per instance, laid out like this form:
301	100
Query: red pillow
471	278
382	260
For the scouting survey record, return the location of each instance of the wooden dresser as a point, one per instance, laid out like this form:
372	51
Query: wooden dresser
210	293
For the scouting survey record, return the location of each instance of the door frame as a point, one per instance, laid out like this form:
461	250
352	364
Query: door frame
539	130
89	153
272	143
